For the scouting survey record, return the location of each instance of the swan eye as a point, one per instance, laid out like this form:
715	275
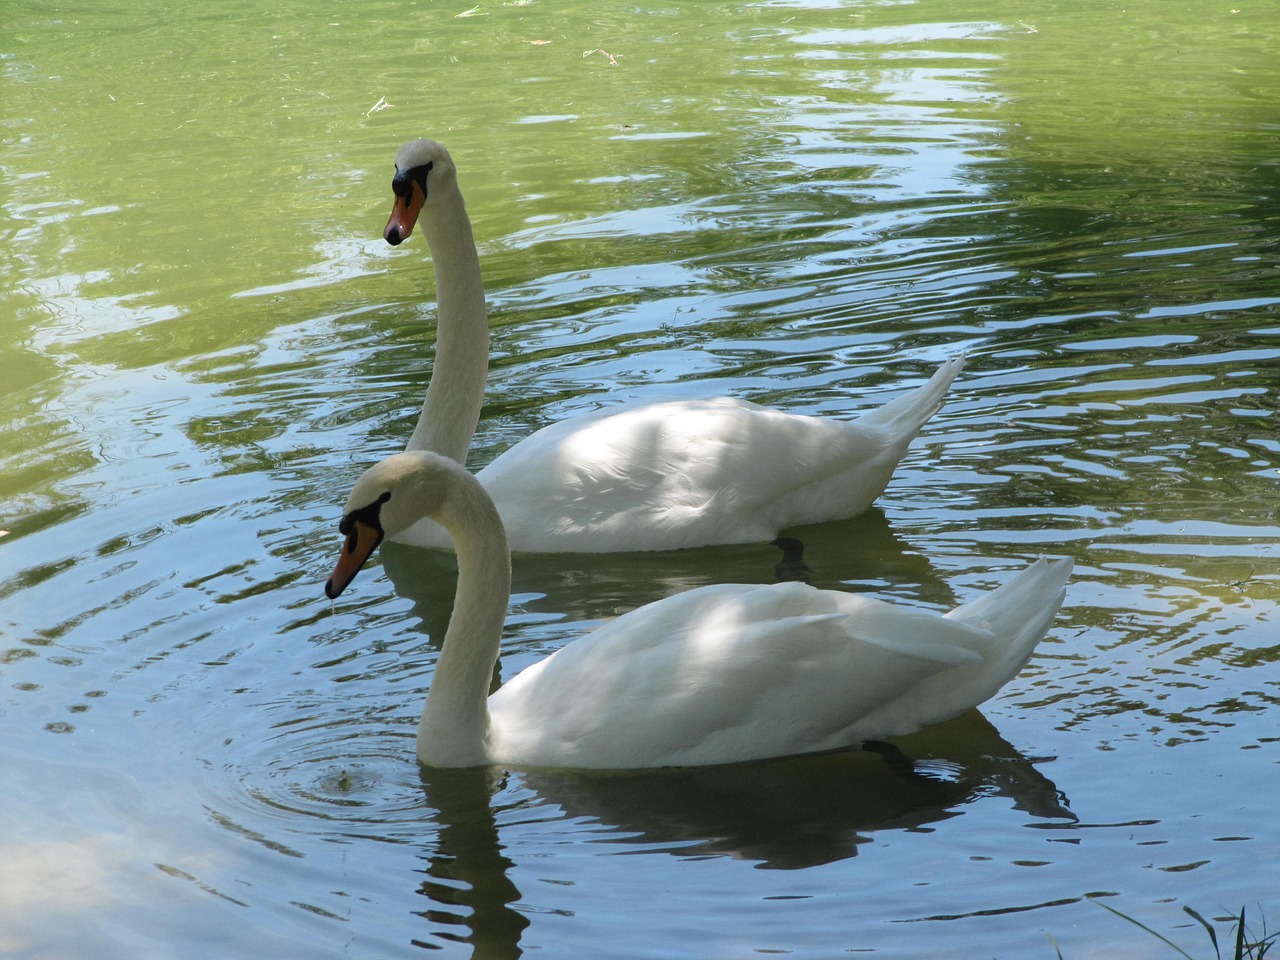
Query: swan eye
402	183
370	516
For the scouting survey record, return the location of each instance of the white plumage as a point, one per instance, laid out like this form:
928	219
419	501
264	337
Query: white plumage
645	477
718	674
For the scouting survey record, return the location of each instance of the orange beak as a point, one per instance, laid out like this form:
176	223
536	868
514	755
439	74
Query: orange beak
362	540
404	214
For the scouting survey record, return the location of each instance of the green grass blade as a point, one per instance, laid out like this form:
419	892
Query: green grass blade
1213	935
1138	923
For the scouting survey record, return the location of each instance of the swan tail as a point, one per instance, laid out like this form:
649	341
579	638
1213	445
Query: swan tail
1019	614
1025	605
1007	624
908	413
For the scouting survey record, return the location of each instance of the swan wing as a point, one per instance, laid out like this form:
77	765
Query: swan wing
683	473
724	674
687	473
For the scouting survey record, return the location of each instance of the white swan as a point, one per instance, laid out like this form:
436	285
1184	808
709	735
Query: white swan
639	477
718	674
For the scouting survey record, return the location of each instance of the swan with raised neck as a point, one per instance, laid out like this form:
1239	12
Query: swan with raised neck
653	476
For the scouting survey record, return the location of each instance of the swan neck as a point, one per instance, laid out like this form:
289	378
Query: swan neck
454	728
455	395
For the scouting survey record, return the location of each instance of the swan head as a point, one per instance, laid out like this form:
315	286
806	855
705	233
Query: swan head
423	168
389	497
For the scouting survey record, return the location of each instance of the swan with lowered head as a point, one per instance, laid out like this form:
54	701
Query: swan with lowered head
717	674
656	476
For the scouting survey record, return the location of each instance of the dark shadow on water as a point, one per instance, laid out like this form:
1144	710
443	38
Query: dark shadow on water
804	812
468	868
782	815
861	554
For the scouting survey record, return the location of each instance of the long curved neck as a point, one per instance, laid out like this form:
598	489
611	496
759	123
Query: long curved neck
456	393
454	728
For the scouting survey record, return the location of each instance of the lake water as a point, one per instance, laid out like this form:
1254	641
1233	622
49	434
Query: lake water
811	203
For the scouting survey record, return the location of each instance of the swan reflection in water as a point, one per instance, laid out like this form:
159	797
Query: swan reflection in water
780	815
600	586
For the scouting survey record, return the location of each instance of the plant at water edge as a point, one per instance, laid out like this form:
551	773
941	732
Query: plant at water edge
1246	946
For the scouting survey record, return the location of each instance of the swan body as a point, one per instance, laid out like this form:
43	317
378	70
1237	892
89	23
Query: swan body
717	674
656	476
